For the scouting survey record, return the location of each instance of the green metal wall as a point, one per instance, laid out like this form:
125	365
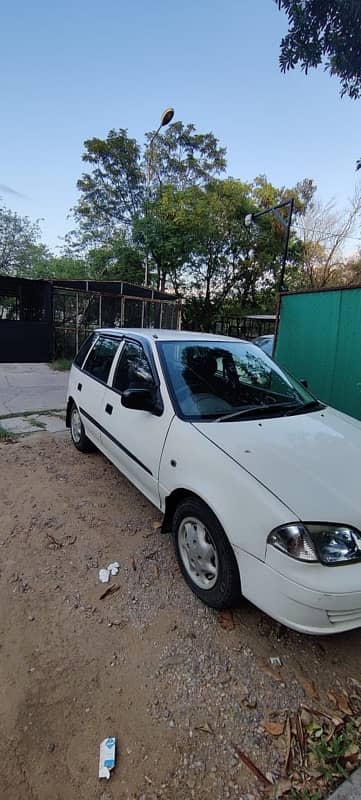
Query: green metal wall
319	338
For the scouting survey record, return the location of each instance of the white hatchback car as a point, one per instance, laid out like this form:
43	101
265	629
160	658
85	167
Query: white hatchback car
259	482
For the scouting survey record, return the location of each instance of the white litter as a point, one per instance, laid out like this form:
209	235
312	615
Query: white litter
106	757
275	661
104	575
114	568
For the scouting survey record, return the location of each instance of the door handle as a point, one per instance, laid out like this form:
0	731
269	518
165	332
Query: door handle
79	387
109	408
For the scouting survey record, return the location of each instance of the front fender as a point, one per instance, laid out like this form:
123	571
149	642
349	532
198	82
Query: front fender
246	509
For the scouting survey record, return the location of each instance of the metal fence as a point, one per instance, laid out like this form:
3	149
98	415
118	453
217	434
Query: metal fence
77	313
245	327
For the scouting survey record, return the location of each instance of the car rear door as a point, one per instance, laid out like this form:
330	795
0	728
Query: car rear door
90	388
135	438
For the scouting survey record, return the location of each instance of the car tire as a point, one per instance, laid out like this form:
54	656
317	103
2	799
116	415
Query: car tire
77	432
201	545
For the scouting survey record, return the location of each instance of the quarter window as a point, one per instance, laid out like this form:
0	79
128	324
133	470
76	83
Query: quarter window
101	357
133	371
83	351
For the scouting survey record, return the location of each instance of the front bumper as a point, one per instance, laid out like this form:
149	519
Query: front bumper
326	601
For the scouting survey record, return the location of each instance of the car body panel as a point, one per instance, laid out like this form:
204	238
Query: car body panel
245	510
310	461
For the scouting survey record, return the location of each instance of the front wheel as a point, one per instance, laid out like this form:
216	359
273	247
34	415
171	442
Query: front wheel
205	555
77	431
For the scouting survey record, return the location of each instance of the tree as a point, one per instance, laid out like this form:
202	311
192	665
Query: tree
123	182
182	157
324	31
353	270
117	260
112	193
18	237
324	231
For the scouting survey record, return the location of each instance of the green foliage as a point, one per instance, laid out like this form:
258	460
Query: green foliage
117	260
182	157
61	364
18	238
325	32
111	194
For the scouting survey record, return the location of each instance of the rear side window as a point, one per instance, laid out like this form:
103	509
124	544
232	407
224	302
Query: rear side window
133	371
100	358
84	350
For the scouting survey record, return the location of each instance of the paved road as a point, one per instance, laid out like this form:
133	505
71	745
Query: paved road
31	387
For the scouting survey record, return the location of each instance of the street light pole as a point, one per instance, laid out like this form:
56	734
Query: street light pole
249	218
165	119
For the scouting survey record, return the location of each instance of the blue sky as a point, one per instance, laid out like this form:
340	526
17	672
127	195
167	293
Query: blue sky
73	70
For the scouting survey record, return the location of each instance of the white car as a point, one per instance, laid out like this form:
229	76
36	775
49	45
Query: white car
259	482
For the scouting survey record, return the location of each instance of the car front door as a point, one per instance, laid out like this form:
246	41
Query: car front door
135	438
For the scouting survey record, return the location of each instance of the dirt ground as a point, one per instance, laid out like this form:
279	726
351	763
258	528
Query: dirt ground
148	664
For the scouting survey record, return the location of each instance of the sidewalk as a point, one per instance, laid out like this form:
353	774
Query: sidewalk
31	387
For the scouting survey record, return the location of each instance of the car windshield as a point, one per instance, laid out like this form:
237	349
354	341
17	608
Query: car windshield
226	380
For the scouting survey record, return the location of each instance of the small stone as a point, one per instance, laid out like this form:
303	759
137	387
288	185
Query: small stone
51	747
31	619
172	723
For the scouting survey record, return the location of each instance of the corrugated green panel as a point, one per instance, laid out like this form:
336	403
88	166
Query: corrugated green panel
307	338
319	339
346	387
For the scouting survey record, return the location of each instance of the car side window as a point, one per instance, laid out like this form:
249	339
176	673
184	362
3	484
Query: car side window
133	370
100	358
84	350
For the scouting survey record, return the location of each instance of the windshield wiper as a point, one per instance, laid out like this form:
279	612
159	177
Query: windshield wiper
311	405
260	409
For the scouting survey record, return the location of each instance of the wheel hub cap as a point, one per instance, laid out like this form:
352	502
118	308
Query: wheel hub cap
198	553
76	425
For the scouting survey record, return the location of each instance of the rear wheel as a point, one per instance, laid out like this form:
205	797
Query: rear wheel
205	555
77	431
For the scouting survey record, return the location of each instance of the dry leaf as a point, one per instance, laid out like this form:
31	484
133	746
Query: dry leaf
225	619
109	590
351	752
274	728
310	689
282	787
134	563
288	745
300	735
341	699
271	673
156	524
253	767
205	728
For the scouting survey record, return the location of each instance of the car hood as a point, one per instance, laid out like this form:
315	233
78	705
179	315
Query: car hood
311	462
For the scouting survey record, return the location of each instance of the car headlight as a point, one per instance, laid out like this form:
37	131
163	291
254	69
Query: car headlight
326	542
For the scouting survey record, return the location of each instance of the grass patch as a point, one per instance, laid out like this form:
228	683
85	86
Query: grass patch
36	423
38	413
61	364
6	436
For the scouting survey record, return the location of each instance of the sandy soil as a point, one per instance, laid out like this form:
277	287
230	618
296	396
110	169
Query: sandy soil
148	664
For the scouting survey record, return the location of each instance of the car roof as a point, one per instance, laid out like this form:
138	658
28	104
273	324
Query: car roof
165	335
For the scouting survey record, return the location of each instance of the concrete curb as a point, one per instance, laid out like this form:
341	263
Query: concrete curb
350	789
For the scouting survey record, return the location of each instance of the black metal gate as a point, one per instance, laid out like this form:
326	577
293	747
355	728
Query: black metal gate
25	320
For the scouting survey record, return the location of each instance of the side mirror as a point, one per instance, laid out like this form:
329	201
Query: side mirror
304	382
141	400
